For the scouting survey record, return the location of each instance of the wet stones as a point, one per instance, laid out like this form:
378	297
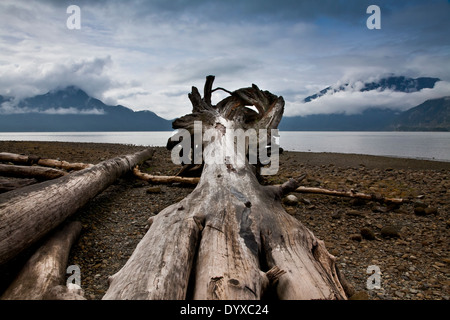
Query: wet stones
367	234
355	237
423	209
155	189
290	200
390	232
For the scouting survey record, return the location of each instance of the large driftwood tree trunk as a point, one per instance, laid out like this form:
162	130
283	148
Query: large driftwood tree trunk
29	213
230	238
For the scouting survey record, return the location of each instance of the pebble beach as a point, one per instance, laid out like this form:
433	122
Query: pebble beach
407	243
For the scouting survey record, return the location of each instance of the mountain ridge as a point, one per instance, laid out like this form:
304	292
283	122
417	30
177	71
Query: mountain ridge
72	109
371	118
394	83
431	115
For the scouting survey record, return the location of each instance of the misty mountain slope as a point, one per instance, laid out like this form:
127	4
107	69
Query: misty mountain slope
71	109
371	118
399	84
432	115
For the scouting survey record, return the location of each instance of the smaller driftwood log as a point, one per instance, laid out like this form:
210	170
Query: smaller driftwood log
30	160
36	172
164	179
43	275
350	194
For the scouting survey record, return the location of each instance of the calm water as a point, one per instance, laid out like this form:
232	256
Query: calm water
420	145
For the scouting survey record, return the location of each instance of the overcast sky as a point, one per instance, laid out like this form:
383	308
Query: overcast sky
148	54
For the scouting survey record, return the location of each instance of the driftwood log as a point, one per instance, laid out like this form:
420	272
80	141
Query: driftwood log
29	160
164	179
39	173
230	238
351	194
42	277
29	213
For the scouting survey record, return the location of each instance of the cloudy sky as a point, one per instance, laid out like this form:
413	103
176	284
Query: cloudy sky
148	54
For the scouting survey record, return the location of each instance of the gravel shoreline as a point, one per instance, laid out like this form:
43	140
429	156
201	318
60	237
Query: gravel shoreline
410	246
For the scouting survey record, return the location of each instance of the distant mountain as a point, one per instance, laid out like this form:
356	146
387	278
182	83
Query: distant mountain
432	115
371	119
71	109
400	83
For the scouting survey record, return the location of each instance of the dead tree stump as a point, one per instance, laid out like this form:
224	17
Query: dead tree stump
230	238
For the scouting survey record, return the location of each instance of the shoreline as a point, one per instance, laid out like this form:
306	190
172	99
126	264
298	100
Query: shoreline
313	158
374	161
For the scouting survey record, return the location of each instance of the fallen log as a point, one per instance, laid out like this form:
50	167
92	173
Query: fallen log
18	158
46	269
350	194
29	160
75	166
29	213
164	179
36	172
230	238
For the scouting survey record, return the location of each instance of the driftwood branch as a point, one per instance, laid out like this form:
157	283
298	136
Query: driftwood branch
164	179
43	275
30	160
351	194
75	166
29	213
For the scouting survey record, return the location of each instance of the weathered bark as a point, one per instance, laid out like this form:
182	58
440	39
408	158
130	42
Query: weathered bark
39	173
46	269
230	238
29	160
164	179
29	213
